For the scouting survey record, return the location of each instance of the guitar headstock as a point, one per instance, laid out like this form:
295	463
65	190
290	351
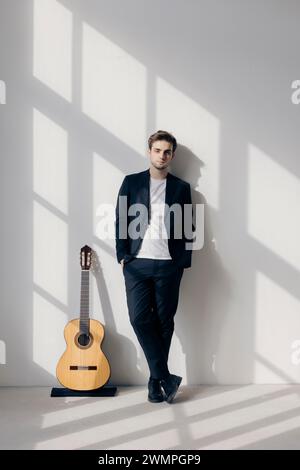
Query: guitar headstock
86	257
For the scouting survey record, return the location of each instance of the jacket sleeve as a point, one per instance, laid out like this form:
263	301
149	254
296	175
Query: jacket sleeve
121	216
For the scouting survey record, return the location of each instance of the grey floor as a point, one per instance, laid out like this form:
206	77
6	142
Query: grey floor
201	417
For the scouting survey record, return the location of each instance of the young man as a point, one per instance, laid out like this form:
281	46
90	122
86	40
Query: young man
153	259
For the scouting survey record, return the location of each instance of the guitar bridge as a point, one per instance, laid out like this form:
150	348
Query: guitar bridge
83	367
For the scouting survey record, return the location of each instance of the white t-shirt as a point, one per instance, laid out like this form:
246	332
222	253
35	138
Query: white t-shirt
155	242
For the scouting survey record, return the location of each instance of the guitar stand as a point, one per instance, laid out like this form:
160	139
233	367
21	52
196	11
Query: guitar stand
105	391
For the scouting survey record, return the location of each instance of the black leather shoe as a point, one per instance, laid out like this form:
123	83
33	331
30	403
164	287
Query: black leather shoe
155	394
170	386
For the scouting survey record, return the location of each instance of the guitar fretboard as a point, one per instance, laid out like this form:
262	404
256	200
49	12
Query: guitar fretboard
84	302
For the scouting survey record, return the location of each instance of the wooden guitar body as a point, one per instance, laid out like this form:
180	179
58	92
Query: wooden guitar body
83	366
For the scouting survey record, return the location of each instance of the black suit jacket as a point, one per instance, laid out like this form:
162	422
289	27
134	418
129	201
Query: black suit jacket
137	189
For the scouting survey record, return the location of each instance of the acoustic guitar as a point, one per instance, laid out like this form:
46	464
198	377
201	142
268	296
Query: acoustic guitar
83	366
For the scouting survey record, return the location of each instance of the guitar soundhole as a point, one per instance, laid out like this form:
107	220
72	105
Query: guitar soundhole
84	340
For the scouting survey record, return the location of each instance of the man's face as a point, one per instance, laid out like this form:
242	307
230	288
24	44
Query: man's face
161	154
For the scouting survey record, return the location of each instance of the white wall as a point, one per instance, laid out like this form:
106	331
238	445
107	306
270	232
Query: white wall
86	83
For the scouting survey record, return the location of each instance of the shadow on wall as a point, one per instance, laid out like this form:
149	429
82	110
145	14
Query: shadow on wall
67	107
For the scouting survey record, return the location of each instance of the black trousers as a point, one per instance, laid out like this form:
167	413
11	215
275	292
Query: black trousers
152	292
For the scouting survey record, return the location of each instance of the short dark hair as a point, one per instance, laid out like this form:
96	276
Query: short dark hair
162	135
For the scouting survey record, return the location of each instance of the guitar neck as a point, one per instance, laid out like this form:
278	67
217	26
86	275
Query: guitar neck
84	302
